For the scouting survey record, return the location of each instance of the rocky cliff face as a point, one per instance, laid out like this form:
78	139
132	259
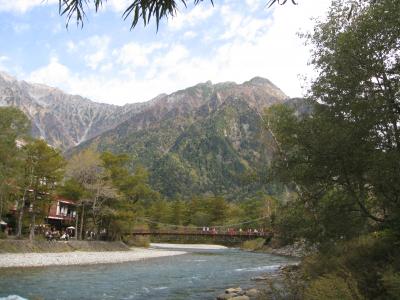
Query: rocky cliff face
63	120
206	139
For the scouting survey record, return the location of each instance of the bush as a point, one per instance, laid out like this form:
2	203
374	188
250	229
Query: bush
137	241
367	258
391	282
332	287
253	244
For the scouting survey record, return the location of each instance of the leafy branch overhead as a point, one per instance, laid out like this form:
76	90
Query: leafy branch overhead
139	9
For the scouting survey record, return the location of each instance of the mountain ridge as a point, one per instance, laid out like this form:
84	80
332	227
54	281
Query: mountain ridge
207	139
44	104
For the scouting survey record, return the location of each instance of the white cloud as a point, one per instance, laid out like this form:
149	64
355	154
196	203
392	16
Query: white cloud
94	50
22	6
106	67
100	45
244	46
253	4
54	74
118	6
133	55
189	34
188	19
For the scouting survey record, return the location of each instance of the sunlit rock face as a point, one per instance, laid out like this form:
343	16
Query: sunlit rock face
63	120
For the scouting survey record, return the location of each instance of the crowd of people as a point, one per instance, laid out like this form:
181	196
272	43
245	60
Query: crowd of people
53	234
233	231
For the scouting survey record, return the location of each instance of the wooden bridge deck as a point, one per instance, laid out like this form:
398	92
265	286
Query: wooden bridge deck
204	233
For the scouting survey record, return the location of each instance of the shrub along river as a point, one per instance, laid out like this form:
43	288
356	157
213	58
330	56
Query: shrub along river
199	274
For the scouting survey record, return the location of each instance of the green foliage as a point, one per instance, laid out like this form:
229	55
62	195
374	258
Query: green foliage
107	192
14	126
391	282
253	245
72	189
342	157
334	217
44	169
332	287
201	151
372	261
134	187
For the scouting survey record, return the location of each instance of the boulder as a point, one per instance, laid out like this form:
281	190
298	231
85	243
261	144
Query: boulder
237	290
226	296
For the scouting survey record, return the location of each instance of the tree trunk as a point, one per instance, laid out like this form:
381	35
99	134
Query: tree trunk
21	215
82	216
32	231
76	225
21	210
1	206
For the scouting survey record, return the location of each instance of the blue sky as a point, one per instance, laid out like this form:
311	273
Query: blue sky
233	41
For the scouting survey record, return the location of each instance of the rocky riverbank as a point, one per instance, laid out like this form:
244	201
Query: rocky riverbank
298	249
239	294
267	286
12	260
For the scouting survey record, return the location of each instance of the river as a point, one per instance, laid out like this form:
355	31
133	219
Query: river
199	274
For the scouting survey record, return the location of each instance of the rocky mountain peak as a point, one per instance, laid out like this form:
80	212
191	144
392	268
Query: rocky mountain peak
259	81
66	120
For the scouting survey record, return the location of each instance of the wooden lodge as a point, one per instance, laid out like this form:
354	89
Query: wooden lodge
62	213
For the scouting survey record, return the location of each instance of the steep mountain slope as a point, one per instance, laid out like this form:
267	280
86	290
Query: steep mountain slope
207	139
62	120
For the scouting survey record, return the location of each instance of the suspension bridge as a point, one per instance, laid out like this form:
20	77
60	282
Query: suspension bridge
230	232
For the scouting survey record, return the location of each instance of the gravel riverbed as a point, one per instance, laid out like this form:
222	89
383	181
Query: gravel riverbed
10	260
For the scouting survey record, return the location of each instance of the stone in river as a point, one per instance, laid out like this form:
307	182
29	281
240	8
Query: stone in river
252	293
237	290
240	298
226	296
259	278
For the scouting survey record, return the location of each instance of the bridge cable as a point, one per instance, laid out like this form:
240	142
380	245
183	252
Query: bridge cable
200	227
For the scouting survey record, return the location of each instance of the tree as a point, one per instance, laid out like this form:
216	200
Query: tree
85	168
343	158
14	126
132	189
135	187
43	170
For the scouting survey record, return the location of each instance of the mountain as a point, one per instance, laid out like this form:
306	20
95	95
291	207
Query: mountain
63	120
207	139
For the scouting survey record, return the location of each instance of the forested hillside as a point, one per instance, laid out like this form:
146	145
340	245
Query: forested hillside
205	140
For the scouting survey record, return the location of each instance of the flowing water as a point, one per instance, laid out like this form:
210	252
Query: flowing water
199	274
